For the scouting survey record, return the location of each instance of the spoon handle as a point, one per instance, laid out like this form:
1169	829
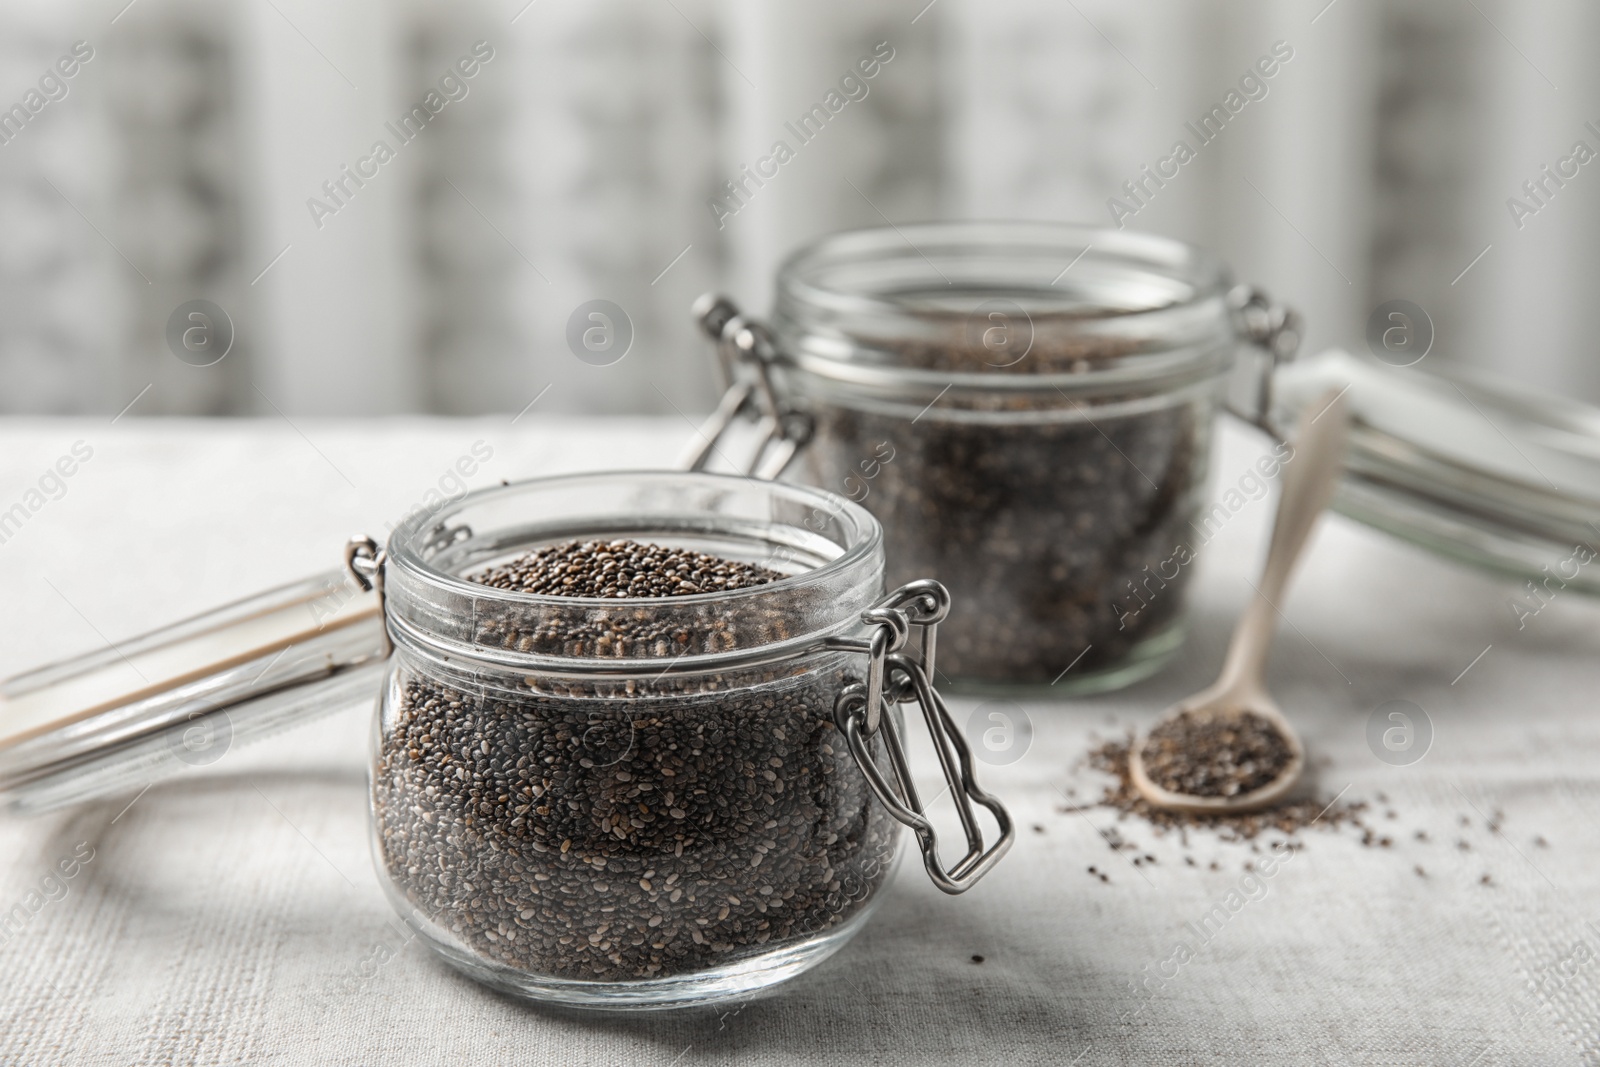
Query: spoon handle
1306	487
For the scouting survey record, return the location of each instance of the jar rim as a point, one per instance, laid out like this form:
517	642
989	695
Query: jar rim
864	535
836	545
1209	275
1164	300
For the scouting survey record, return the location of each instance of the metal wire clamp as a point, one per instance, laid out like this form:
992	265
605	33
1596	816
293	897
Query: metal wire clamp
365	560
745	357
1274	330
895	677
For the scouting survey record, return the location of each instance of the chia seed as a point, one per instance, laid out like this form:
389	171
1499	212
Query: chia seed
615	831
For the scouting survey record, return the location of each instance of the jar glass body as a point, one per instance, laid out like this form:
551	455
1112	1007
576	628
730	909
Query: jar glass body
638	802
1028	410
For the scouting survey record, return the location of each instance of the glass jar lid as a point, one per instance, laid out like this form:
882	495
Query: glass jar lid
185	694
1496	476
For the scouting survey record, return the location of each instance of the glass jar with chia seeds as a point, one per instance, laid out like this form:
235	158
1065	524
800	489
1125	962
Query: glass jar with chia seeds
644	792
1026	407
631	800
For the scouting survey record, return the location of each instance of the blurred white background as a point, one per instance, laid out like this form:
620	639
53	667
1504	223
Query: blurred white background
580	162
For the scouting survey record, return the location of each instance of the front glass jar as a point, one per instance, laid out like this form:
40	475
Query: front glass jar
1027	408
638	801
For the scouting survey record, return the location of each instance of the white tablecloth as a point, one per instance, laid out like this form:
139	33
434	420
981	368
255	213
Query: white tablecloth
231	914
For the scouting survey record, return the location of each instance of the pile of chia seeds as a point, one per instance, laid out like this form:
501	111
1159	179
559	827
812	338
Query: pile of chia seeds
1210	755
622	569
1056	538
626	603
627	833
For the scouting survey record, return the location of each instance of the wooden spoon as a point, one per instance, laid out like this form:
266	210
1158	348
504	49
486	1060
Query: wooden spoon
1307	484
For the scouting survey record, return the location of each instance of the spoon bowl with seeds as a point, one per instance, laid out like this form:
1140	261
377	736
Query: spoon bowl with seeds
1229	749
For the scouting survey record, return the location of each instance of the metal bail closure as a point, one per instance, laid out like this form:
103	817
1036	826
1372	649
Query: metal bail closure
895	677
1275	331
745	355
364	560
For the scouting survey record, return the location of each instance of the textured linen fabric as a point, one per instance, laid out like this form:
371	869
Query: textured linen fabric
231	914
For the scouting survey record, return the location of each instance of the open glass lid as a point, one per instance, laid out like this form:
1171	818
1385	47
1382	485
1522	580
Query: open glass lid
183	695
1502	478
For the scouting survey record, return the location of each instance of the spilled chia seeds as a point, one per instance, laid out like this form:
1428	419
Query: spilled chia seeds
1264	832
617	831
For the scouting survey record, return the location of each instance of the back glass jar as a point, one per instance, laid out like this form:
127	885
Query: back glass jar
1026	407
